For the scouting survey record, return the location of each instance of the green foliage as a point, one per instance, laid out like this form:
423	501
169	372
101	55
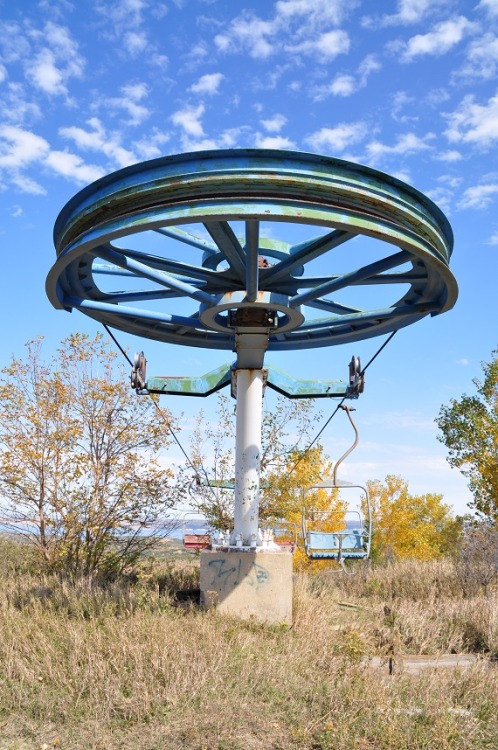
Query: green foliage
79	475
469	429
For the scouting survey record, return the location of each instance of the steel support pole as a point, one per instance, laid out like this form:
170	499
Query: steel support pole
248	454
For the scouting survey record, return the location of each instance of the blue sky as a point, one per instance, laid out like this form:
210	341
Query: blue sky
408	87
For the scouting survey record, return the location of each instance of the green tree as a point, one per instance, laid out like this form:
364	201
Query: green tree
79	475
405	525
469	429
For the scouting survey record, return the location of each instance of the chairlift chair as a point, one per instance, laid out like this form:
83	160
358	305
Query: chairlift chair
353	542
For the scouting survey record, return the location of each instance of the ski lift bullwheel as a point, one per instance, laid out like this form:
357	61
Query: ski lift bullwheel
183	248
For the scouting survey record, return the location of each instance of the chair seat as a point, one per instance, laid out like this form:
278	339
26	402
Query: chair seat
320	544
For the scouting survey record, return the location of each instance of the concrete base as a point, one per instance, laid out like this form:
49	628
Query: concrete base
249	585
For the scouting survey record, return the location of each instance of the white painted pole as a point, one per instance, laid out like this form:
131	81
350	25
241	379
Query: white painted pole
248	454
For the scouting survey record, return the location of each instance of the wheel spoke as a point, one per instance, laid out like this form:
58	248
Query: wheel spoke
252	268
308	251
146	272
132	312
142	295
393	278
333	307
170	266
350	278
291	286
108	270
371	316
224	237
189	239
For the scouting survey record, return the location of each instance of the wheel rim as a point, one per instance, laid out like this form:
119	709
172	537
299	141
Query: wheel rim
217	213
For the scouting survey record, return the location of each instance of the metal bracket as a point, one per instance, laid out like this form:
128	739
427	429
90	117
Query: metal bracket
279	381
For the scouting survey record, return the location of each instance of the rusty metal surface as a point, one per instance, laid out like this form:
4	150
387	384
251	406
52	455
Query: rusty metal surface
210	209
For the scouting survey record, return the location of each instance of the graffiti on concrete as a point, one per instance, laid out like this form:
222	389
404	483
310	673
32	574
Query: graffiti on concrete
226	575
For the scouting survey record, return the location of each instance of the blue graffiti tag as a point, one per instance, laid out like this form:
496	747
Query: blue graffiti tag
222	572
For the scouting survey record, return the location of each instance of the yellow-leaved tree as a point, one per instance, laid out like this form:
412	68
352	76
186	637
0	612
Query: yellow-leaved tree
79	475
285	425
290	492
405	525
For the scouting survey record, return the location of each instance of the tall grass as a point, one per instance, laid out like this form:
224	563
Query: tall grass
124	666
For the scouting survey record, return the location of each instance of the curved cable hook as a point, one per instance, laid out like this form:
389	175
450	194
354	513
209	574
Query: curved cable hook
348	410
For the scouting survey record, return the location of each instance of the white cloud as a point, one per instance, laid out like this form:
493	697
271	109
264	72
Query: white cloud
16	106
338	138
474	123
98	139
228	138
136	91
436	97
18	147
493	240
123	22
442	197
189	119
370	64
315	13
149	147
207	84
451	180
444	36
135	43
478	196
412	11
126	13
16	212
27	184
299	26
158	61
452	155
400	100
343	85
489	6
408	143
198	52
250	33
482	59
57	61
73	167
15	45
409	12
326	46
60	40
45	75
274	124
133	93
276	141
463	361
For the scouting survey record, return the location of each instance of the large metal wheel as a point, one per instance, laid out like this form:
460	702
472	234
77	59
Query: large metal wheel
318	251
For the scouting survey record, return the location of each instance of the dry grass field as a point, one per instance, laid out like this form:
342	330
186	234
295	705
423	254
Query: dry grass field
128	667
